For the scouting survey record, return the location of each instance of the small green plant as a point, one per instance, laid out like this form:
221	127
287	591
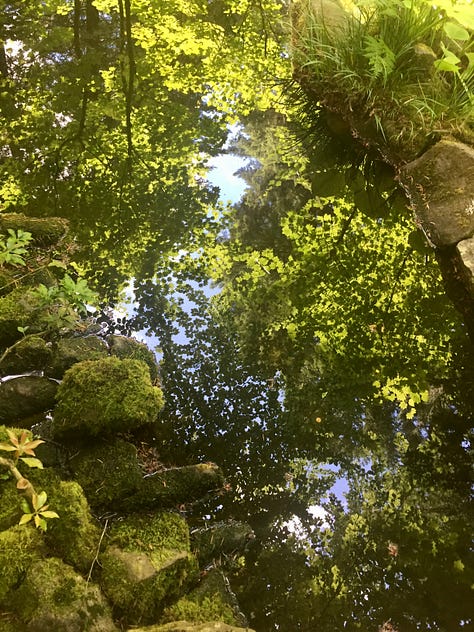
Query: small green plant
19	446
14	247
40	511
76	294
403	64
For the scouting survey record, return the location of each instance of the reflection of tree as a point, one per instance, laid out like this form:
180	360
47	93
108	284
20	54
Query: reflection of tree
108	115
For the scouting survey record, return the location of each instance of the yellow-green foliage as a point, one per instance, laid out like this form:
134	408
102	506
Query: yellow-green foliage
106	396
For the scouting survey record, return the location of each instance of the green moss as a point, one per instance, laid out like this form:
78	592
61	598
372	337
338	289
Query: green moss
20	546
199	611
138	584
108	472
69	351
106	396
10	504
189	626
29	355
163	530
19	308
123	347
177	485
146	564
45	231
54	597
75	536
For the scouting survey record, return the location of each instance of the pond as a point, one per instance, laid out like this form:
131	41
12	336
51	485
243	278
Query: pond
244	201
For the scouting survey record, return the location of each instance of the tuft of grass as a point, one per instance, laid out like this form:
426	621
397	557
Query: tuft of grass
392	67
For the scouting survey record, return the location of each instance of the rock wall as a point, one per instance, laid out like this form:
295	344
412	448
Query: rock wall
120	552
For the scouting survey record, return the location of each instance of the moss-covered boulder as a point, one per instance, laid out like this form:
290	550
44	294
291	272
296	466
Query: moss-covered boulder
19	308
223	538
212	600
30	354
146	564
54	597
124	347
75	536
25	396
69	351
108	473
168	488
45	231
106	396
20	547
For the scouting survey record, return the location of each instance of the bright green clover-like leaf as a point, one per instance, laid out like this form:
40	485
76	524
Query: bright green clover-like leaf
40	512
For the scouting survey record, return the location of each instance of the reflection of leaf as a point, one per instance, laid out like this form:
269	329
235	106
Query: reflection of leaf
370	202
328	183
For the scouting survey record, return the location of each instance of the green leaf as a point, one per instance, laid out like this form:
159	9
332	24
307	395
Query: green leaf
456	32
26	518
32	462
39	500
57	263
7	447
49	514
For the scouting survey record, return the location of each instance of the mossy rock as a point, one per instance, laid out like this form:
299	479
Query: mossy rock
20	547
6	278
162	530
23	397
10	503
108	472
75	535
124	347
224	538
189	626
178	485
199	610
70	351
106	396
54	597
45	231
19	308
212	600
147	564
30	354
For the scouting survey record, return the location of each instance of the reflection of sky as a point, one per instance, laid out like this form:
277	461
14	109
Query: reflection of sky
222	174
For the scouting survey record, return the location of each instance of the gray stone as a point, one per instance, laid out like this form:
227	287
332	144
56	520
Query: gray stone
23	397
29	354
124	347
466	251
440	185
69	351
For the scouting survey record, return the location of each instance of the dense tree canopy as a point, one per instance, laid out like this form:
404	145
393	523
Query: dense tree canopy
305	334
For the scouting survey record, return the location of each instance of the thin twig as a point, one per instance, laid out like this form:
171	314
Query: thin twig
96	557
